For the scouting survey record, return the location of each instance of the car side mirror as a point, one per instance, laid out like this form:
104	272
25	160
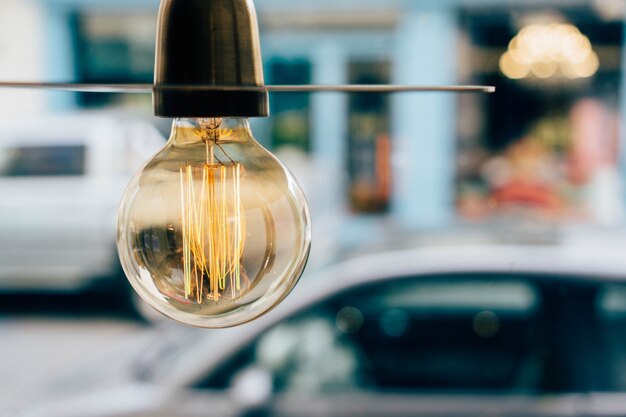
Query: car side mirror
251	391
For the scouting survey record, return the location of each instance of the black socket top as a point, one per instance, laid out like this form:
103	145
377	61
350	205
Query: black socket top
208	42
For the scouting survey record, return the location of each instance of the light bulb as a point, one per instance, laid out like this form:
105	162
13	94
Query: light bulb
214	231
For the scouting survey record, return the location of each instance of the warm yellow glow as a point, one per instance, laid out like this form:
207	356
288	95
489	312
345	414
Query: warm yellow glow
512	68
545	51
212	228
544	69
589	66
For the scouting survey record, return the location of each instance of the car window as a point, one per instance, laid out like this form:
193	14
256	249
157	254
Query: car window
37	161
409	334
612	317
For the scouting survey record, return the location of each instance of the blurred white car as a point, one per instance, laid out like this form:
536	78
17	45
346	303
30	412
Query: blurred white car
481	330
61	180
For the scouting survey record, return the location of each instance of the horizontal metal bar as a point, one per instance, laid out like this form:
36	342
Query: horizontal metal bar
149	88
87	88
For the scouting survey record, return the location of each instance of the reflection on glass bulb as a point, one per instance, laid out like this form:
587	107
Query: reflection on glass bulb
213	231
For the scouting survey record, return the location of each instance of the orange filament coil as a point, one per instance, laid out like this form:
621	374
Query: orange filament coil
212	230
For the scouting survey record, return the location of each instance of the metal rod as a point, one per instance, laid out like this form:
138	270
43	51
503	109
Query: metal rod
87	88
149	88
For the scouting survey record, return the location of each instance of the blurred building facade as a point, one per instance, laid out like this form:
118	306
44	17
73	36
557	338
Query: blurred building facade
386	164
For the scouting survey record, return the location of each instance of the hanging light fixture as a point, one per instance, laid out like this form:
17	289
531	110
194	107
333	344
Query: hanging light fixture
214	231
545	51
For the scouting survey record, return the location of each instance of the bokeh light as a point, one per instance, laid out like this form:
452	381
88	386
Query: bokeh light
549	50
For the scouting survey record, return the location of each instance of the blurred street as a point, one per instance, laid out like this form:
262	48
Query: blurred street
42	338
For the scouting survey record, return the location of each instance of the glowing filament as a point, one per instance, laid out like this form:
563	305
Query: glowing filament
212	229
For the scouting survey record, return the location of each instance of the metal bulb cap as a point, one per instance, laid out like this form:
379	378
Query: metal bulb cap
208	42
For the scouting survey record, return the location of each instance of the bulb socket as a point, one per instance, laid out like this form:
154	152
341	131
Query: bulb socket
208	42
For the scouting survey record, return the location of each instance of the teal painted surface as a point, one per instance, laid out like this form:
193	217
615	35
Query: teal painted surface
424	125
60	55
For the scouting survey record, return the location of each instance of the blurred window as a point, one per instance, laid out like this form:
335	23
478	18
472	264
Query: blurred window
290	112
448	334
612	315
113	48
546	145
39	161
369	143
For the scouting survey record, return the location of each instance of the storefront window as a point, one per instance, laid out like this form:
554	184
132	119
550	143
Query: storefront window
369	142
113	48
290	112
546	143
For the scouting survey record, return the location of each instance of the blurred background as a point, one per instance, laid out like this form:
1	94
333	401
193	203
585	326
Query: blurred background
539	163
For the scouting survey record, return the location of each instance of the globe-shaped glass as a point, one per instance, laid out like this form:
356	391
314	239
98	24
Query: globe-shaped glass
214	231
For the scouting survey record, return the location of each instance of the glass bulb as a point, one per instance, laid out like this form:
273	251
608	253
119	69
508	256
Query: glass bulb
214	231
